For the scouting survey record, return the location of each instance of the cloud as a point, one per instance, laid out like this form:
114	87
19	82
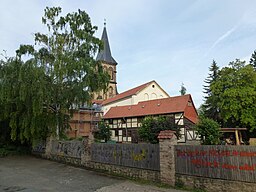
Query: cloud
222	38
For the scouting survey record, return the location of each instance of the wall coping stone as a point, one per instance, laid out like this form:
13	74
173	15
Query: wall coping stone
166	134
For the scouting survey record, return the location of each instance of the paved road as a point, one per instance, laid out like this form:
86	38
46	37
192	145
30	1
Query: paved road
29	174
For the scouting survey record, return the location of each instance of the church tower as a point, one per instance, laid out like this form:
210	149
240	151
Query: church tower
109	64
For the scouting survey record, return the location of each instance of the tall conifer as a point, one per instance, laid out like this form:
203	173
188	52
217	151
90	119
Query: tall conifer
253	60
210	108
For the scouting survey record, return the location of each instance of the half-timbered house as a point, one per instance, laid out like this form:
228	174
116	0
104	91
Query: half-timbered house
124	121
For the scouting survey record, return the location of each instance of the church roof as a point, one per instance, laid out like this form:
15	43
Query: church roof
105	53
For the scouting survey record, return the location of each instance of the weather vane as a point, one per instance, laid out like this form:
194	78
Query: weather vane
104	22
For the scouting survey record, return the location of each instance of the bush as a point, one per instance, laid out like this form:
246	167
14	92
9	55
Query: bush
209	131
14	150
103	133
151	127
3	152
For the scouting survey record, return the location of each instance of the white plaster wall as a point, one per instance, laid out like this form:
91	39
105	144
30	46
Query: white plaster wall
153	91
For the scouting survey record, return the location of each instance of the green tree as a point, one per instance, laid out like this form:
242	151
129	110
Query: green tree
4	128
21	96
209	131
151	127
210	108
103	132
41	86
253	60
5	133
236	90
201	110
183	89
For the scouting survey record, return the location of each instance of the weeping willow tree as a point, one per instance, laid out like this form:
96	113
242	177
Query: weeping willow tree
45	81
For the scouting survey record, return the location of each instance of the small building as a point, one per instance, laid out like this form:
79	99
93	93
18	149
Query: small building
124	121
234	136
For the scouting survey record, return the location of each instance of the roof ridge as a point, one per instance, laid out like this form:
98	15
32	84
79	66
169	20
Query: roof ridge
168	98
138	86
123	94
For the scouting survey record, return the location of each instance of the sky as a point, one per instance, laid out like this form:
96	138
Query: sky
169	41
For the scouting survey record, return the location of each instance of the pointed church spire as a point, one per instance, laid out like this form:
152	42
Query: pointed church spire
105	54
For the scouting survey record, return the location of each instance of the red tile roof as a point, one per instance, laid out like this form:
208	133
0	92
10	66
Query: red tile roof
156	107
126	93
191	114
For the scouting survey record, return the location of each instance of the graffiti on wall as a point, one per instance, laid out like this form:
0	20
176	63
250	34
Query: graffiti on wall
68	148
225	162
131	155
39	148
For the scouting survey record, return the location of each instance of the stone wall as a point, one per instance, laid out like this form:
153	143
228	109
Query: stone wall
63	159
84	160
213	185
131	172
168	167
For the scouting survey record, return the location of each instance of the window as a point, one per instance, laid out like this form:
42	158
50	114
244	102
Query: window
153	96
129	133
111	73
111	90
146	97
